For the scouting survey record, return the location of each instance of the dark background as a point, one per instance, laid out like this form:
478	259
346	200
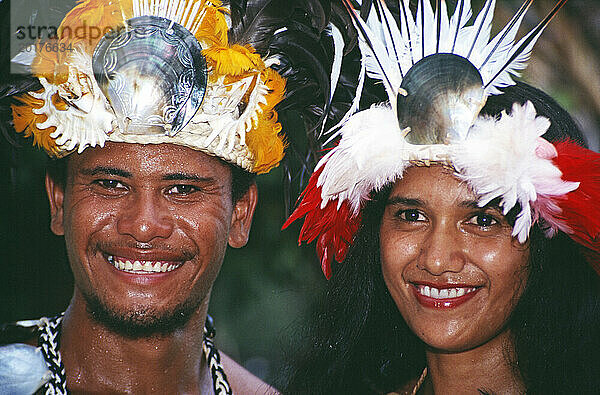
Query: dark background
266	288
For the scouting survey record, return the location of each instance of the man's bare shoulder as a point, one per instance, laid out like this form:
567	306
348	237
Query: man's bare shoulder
242	381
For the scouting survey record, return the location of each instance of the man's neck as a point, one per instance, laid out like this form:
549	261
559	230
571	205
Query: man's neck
484	368
99	360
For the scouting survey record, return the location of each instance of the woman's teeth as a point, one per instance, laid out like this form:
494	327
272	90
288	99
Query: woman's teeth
446	293
133	266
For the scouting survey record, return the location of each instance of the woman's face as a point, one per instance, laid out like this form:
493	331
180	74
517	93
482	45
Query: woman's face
452	267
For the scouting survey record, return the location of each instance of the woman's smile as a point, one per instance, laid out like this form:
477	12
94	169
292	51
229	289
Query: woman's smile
446	296
452	267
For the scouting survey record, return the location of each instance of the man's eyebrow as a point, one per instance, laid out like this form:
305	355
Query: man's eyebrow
180	176
405	201
105	170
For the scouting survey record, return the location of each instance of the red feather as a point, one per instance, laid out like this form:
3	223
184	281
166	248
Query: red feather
334	227
581	207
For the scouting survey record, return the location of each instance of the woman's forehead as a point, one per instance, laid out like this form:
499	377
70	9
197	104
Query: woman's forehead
432	183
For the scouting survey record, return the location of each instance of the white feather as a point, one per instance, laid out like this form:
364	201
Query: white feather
183	12
499	160
517	64
496	52
25	57
428	34
483	28
336	130
409	29
399	46
444	44
378	62
366	159
459	19
336	67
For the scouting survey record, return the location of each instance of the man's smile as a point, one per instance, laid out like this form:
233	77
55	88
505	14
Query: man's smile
138	266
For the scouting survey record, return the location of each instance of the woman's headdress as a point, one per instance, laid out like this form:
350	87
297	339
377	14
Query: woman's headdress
163	72
437	72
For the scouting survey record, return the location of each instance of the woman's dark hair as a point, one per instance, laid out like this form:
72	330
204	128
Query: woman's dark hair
357	342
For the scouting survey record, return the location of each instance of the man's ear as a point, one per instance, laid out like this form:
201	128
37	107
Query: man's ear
56	197
241	218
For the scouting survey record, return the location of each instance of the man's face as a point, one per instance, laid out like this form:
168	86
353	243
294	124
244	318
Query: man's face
146	229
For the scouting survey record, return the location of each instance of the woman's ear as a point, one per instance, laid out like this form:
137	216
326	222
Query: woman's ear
56	196
241	217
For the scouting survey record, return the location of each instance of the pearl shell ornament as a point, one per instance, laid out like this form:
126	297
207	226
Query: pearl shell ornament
153	74
445	94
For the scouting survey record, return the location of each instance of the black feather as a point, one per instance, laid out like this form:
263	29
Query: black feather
438	17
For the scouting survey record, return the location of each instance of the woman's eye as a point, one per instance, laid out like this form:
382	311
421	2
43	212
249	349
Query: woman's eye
411	215
181	190
483	220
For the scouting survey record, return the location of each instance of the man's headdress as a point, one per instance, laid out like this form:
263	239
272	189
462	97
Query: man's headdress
438	72
164	72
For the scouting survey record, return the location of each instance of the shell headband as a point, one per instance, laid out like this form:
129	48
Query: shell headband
438	73
164	73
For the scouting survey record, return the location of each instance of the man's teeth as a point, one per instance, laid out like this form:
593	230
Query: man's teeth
132	266
446	293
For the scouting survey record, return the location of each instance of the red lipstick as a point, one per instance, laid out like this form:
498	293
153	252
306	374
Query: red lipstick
443	296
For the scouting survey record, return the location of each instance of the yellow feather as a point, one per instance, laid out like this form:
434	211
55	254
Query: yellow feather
234	61
265	141
213	29
25	121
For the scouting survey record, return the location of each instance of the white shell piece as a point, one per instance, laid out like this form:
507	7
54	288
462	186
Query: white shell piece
88	119
23	369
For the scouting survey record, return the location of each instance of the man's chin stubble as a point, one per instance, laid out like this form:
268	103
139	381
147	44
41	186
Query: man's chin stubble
142	322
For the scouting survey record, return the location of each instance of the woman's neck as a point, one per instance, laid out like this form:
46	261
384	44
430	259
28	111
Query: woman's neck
487	368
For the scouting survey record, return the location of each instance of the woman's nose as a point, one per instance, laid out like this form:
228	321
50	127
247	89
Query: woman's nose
443	251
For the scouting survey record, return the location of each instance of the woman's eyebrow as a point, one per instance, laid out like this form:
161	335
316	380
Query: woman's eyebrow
405	201
474	204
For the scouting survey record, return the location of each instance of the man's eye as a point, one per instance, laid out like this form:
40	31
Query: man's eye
181	190
483	220
110	184
411	215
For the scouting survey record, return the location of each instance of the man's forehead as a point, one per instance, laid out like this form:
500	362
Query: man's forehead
147	159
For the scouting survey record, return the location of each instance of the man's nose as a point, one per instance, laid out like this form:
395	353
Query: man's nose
443	251
145	218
